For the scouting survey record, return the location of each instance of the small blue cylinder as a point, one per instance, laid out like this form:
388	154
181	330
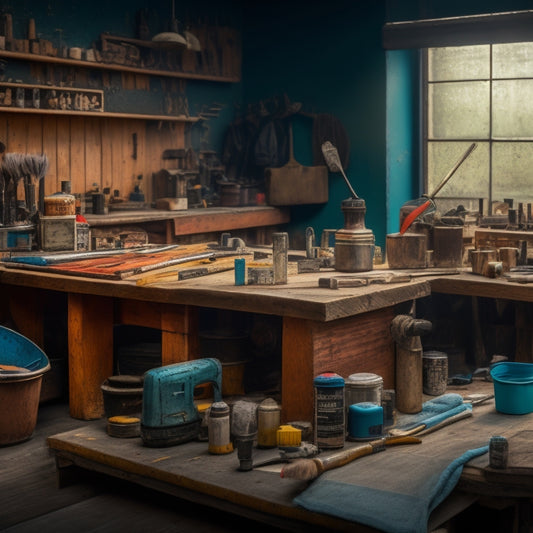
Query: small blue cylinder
240	271
365	421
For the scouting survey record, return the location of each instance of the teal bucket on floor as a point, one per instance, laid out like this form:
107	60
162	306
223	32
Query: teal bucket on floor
513	387
20	388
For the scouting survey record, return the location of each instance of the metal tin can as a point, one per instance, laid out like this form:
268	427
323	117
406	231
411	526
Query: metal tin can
435	373
268	422
498	452
218	429
363	387
329	411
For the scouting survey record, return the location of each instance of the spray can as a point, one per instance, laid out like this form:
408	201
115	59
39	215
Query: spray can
218	429
268	422
329	411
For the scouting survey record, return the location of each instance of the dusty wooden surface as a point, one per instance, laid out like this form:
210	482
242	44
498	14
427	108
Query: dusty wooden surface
31	499
189	470
299	298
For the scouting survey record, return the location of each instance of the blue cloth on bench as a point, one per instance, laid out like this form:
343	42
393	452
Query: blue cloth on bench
433	412
396	496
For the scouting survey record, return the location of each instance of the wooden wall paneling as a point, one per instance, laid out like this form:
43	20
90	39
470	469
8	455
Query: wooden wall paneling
35	134
77	153
152	156
3	128
131	167
52	183
106	157
63	157
119	179
17	134
93	154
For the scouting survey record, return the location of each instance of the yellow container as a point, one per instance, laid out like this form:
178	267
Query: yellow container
289	436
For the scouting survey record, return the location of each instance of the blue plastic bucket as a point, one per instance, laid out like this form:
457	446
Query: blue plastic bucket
513	387
17	350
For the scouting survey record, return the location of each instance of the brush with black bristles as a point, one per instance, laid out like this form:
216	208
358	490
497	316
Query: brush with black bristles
308	469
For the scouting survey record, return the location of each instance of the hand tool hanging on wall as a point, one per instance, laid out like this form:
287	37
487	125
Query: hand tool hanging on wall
426	201
295	184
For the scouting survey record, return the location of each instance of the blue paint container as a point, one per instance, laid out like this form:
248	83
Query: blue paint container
365	421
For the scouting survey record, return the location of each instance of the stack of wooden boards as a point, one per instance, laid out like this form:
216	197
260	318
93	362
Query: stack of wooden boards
144	265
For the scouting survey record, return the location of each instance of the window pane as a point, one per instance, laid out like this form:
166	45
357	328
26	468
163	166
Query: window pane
471	180
512	108
512	60
512	171
459	63
459	110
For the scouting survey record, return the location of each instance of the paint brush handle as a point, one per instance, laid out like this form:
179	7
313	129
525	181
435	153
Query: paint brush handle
347	456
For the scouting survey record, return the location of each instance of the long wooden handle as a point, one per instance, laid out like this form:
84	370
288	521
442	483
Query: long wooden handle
347	456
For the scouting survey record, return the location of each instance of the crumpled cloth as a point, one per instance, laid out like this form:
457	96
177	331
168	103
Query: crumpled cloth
393	494
433	412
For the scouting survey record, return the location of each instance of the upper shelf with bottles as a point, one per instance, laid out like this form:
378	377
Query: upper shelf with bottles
205	52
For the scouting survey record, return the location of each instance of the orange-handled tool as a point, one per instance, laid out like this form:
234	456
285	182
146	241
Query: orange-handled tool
415	213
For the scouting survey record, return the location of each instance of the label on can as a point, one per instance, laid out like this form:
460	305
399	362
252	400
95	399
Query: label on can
329	411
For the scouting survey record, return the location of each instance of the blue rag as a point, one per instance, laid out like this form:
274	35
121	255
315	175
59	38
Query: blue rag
433	412
395	496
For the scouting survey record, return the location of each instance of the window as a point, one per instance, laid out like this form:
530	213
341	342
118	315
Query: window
483	94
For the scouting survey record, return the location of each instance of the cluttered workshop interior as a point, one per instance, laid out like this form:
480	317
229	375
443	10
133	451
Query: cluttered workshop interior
272	261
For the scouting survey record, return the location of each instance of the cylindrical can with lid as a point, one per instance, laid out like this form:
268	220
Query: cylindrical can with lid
498	452
218	429
59	204
435	372
329	411
268	422
363	387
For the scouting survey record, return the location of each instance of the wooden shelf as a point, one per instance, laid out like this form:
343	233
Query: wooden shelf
110	66
98	114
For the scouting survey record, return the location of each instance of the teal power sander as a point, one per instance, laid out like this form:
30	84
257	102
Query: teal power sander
169	415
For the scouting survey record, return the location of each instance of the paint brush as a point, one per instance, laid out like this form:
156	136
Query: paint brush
308	469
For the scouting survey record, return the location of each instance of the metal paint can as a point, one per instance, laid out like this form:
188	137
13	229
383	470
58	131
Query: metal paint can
329	411
218	429
363	387
434	373
268	422
498	452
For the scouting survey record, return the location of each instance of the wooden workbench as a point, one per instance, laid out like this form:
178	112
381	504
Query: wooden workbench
193	224
346	329
188	471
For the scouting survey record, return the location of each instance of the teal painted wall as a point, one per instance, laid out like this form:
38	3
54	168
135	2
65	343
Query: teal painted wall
402	135
328	56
